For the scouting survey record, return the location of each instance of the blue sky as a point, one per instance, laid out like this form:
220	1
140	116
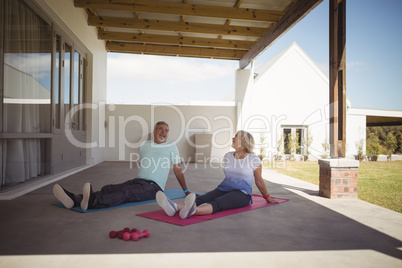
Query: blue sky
373	56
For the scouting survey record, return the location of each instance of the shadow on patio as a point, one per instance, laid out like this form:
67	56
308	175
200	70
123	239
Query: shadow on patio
31	225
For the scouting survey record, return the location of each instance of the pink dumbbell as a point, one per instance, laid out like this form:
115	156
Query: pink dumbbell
127	235
118	234
121	233
137	235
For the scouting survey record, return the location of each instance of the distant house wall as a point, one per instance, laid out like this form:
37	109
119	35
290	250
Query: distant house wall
129	125
292	92
355	133
356	127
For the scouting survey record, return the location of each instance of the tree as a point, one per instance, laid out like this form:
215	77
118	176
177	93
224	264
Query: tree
293	144
381	132
360	152
398	136
308	140
289	144
400	142
391	144
373	146
296	143
279	149
263	152
325	146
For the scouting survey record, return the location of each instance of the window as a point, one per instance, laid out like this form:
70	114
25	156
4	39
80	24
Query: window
293	137
78	90
69	85
299	139
67	79
26	92
287	136
82	92
27	70
57	89
41	79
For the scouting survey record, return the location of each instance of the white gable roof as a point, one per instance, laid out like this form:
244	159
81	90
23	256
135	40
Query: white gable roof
294	47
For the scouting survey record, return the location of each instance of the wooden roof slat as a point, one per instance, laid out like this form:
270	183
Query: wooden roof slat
189	27
175	40
174	50
228	21
183	9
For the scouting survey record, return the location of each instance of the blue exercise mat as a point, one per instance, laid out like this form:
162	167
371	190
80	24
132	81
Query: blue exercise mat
170	193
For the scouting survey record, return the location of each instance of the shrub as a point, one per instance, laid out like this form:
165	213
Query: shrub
308	140
360	152
325	147
278	155
263	152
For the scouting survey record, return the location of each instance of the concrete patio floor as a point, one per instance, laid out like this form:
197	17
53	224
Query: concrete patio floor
307	231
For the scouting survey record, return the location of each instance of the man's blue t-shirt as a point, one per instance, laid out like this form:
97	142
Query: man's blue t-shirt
156	160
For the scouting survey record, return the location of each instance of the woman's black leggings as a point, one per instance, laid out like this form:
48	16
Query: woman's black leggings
221	200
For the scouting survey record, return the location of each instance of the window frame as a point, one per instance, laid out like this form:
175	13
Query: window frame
75	47
293	131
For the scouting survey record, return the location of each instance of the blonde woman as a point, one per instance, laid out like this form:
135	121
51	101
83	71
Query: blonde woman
240	168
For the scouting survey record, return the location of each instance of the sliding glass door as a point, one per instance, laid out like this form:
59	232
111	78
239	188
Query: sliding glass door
42	79
26	92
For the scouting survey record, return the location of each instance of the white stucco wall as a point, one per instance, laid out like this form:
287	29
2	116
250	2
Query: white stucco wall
355	132
128	125
292	92
73	22
356	122
243	84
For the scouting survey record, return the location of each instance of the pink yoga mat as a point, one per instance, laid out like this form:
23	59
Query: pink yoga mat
160	215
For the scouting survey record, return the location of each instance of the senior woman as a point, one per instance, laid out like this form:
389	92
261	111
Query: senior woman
240	168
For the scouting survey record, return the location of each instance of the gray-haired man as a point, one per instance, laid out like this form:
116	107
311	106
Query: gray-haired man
156	158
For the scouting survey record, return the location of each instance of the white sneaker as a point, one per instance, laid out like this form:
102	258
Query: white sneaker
167	205
64	196
87	197
189	206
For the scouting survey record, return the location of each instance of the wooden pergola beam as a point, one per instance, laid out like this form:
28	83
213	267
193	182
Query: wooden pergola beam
173	26
183	9
337	77
229	54
174	40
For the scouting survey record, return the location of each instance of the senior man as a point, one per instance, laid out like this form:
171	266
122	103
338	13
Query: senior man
156	157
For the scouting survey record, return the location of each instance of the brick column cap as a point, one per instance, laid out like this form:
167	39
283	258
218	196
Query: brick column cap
339	162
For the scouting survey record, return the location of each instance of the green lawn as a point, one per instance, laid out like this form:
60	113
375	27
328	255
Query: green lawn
379	183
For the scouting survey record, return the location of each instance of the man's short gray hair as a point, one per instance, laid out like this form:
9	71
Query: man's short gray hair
160	123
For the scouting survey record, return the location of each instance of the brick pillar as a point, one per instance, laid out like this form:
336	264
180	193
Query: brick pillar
338	178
